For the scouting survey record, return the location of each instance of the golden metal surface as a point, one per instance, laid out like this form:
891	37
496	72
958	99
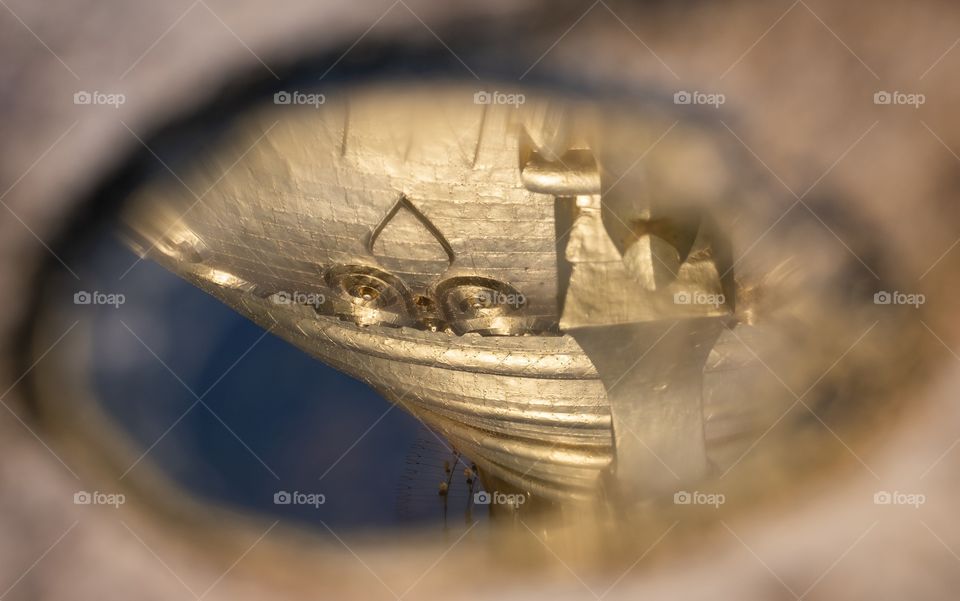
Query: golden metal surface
480	265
